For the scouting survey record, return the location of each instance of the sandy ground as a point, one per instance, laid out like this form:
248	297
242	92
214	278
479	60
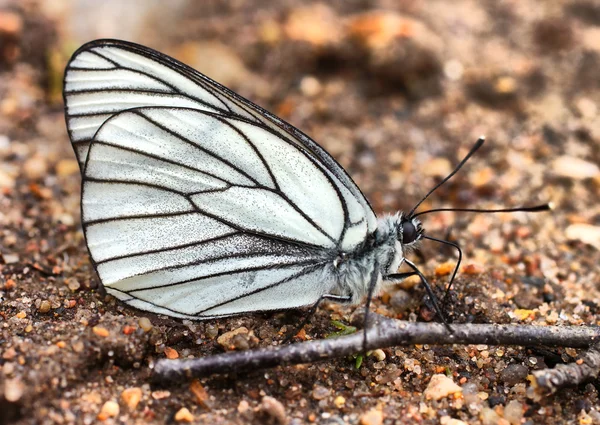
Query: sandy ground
397	92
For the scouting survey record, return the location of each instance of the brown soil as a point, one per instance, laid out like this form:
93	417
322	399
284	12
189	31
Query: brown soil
397	92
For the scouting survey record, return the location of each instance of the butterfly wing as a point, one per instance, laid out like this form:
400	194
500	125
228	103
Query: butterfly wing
196	214
196	202
105	77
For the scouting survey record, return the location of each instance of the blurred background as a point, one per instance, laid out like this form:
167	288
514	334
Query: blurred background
397	91
388	87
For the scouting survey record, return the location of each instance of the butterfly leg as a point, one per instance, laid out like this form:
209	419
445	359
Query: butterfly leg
432	296
393	278
371	290
330	297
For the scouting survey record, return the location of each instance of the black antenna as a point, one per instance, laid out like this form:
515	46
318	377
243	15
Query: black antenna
535	208
474	149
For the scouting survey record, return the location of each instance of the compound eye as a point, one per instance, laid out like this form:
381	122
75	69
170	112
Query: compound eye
409	232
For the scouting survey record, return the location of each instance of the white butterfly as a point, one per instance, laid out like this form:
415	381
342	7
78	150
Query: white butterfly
197	204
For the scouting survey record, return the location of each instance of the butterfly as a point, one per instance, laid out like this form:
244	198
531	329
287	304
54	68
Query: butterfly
198	204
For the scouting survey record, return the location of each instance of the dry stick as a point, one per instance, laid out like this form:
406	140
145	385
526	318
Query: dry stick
585	369
387	333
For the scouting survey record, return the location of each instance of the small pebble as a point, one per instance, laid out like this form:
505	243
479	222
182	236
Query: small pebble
4	142
100	331
145	324
35	168
574	168
243	407
437	167
440	386
131	397
339	401
584	419
513	412
273	409
227	339
482	177
200	393
66	167
399	48
505	84
310	86
240	342
270	31
400	300
10	23
171	353
586	233
410	282
184	415
496	399
319	392
10	284
78	346
447	420
74	285
160	394
211	330
524	314
587	107
489	416
9	354
315	24
379	354
128	329
472	269
10	258
8	368
513	374
13	390
453	70
372	417
7	180
66	219
445	268
110	409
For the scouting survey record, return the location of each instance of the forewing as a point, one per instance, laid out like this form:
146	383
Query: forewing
105	77
201	215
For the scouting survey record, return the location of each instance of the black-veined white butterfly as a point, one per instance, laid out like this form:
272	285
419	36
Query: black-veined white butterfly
197	203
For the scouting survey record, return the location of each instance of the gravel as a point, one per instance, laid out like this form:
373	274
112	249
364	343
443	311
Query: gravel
397	105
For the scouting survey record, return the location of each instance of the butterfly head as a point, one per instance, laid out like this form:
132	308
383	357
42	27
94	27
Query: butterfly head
410	231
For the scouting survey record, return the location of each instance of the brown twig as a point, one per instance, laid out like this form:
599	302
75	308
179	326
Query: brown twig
583	370
387	333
